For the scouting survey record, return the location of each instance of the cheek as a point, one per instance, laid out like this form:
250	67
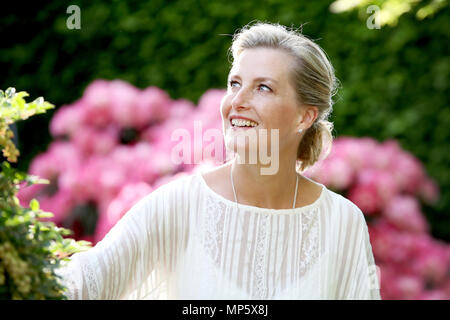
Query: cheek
280	119
225	105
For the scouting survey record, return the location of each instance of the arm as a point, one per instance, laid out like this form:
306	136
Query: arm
139	245
358	278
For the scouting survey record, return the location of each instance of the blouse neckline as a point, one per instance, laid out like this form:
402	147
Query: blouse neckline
308	207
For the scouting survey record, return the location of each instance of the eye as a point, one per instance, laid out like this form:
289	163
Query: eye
266	87
232	82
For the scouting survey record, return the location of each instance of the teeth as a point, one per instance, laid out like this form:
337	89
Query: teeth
243	123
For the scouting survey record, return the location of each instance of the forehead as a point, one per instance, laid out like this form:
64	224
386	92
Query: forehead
262	62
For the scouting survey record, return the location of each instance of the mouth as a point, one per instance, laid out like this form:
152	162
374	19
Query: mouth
240	124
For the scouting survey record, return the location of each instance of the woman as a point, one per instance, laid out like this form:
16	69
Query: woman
234	232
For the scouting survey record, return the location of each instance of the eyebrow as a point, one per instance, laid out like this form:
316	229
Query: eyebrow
254	80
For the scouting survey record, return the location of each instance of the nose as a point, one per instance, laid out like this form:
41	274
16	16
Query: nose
241	99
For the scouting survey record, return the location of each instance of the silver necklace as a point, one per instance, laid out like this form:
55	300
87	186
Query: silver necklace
234	191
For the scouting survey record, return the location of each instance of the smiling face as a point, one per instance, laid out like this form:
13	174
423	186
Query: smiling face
259	89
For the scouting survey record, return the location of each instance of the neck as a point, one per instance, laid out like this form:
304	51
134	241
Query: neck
267	191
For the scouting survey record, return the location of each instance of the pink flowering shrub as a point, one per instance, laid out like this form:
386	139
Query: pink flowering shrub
114	146
389	185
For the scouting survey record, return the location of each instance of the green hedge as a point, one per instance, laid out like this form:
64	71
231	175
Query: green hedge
394	80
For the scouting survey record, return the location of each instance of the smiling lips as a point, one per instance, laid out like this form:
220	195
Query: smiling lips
242	122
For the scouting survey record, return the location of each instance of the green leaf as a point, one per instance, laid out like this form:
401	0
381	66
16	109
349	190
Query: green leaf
10	92
45	214
39	101
34	205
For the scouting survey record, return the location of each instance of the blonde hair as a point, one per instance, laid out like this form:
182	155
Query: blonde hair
312	76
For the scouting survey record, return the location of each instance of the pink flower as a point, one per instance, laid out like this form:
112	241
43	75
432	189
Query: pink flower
210	102
386	154
143	162
122	155
149	163
166	136
111	179
380	181
80	183
398	285
446	287
385	185
159	164
404	212
152	105
26	193
181	109
357	152
389	287
436	294
391	245
128	196
97	178
402	249
340	173
379	241
124	99
208	111
318	172
65	154
96	102
105	141
408	286
205	119
433	264
44	166
59	204
60	157
408	172
67	119
429	191
365	196
92	141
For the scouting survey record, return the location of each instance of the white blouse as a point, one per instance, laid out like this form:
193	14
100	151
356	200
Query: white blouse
185	241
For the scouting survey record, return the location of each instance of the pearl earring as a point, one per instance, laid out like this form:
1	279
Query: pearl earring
300	130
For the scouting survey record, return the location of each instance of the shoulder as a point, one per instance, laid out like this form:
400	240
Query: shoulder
177	182
346	221
344	209
176	188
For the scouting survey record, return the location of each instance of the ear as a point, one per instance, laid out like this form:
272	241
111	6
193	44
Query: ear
307	115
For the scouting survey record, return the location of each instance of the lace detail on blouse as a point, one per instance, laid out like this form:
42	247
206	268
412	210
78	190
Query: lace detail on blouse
261	247
310	245
69	282
91	280
295	240
213	226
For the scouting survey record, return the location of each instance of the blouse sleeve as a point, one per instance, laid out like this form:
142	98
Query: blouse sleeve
132	260
358	277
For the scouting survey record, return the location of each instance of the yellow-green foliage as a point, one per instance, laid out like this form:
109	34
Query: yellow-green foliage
30	249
